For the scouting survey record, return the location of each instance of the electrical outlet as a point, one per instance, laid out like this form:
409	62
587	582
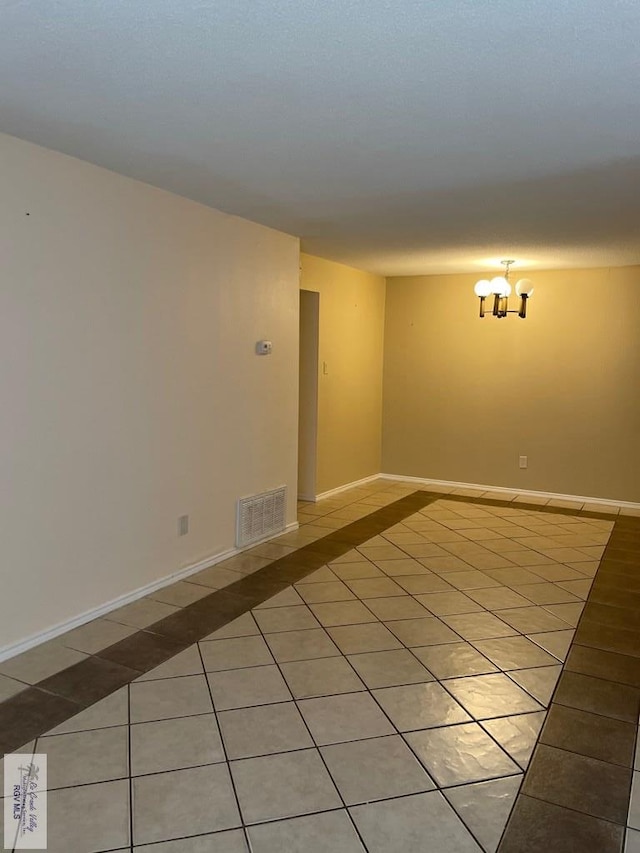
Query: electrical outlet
183	525
524	461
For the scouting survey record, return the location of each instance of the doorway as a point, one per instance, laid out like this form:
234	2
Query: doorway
308	394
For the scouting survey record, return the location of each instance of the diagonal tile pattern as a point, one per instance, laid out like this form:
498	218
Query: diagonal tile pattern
378	676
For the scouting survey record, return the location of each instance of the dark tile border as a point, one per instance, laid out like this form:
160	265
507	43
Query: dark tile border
599	687
575	793
55	699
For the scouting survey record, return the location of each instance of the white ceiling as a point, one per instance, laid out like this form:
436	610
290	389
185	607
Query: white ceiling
400	136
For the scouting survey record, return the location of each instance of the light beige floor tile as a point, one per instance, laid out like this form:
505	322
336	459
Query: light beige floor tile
403	824
479	626
517	735
456	755
9	687
180	594
513	577
386	551
293	618
529	620
420	706
330	591
540	682
545	593
321	677
84	757
112	711
272	550
230	841
187	662
485	807
351	556
426	550
392	568
353	639
248	732
396	607
40	662
244	564
376	587
444	565
328	832
423	584
448	603
243	626
389	668
183	802
171	697
556	572
569	613
471	580
587	568
497	598
579	588
235	653
215	577
322	575
175	744
345	717
89	818
302	645
514	653
454	660
241	688
429	631
489	696
354	571
285	785
342	613
96	635
141	613
286	598
375	769
555	642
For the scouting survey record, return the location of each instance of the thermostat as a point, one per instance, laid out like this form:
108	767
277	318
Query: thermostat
264	347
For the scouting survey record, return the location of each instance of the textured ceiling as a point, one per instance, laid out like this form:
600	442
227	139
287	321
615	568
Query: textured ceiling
400	136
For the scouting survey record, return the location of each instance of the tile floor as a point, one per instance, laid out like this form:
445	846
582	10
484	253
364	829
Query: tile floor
388	700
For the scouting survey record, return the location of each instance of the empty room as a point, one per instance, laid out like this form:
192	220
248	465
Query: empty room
320	358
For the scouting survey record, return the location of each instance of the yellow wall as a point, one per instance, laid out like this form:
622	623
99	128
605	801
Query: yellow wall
130	391
465	397
350	393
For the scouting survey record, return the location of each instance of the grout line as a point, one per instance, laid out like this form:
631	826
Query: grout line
223	746
316	746
398	732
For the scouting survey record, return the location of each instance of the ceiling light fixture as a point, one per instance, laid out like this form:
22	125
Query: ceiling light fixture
501	290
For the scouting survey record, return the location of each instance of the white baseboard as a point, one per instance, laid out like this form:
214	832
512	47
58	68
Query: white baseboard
129	597
480	487
331	492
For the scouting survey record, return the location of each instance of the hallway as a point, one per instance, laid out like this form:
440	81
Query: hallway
377	680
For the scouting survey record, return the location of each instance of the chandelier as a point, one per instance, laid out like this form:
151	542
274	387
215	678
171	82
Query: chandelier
500	287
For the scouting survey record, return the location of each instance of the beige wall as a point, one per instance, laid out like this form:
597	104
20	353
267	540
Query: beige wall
350	393
130	389
464	397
